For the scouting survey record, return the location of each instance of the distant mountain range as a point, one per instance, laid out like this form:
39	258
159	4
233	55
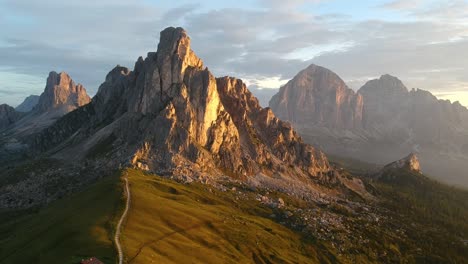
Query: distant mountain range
379	123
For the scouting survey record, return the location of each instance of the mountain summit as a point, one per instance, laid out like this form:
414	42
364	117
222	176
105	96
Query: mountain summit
172	116
61	95
318	96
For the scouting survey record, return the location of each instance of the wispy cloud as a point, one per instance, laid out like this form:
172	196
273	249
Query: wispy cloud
402	5
266	42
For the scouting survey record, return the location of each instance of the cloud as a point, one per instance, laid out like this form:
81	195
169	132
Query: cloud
84	38
272	40
446	11
402	4
420	53
10	91
290	4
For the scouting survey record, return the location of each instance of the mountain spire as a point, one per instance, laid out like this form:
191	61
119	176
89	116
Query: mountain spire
61	94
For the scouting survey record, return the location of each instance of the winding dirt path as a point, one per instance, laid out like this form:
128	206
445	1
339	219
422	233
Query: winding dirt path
119	225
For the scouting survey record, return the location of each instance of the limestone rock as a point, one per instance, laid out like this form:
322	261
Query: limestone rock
173	116
318	97
61	94
383	100
381	122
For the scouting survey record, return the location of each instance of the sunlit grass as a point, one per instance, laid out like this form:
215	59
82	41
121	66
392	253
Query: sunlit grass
171	222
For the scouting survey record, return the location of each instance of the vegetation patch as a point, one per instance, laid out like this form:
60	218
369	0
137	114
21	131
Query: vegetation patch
205	225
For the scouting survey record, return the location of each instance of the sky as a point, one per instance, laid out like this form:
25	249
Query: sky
263	42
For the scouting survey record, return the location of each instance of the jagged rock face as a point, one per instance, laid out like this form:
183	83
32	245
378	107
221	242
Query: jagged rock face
383	99
393	113
61	94
8	116
271	141
172	116
28	104
318	97
392	122
410	162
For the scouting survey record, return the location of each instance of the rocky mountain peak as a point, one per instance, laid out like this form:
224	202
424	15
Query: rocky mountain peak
318	71
386	84
176	42
172	116
174	49
61	94
318	96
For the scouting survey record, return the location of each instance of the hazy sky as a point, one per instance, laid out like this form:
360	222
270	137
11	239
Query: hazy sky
424	43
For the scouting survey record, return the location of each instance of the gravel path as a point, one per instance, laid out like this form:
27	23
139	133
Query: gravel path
119	225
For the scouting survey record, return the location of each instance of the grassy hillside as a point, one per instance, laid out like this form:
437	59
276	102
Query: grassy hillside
168	222
414	220
68	230
176	223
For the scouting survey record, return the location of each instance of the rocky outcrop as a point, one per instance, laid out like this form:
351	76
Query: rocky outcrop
410	163
8	116
403	173
318	97
170	115
61	95
28	104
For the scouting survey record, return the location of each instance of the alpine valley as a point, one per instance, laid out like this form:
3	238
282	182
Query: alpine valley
169	164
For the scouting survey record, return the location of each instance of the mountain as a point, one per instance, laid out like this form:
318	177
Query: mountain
61	95
403	120
171	116
28	104
416	116
387	122
318	97
187	120
8	116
